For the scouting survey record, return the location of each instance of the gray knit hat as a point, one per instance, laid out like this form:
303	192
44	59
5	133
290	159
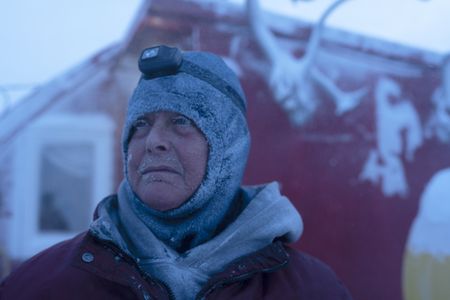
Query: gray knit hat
205	90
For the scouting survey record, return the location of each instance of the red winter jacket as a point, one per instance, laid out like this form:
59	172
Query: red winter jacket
86	268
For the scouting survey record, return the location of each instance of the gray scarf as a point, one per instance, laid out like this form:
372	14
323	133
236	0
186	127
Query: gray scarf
268	216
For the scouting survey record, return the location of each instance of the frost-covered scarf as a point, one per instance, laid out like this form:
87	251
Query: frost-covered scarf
225	128
268	216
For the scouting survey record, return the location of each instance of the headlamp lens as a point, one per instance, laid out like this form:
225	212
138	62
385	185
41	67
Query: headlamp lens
150	53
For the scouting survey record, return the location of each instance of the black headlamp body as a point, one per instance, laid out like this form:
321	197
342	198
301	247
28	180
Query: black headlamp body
162	61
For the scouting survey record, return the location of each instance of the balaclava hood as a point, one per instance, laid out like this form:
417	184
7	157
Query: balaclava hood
224	126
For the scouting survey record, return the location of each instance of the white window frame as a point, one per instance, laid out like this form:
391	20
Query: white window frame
25	239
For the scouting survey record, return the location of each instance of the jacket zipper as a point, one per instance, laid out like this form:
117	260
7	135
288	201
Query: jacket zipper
133	262
163	283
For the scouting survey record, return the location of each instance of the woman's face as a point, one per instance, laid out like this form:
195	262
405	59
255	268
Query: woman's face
167	158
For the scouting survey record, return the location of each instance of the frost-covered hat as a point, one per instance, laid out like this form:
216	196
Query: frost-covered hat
200	86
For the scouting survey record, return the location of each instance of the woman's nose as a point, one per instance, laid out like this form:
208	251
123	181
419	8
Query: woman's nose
157	139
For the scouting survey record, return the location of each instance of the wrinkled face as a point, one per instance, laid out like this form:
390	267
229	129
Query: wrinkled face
167	157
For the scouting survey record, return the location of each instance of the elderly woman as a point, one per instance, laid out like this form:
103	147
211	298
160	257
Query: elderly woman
181	226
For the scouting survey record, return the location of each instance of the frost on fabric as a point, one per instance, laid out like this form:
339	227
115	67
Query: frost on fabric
430	232
140	287
395	117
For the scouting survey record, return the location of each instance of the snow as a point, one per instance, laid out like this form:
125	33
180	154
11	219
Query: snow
383	19
349	24
430	231
47	95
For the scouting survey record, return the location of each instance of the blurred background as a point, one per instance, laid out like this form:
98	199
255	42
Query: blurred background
349	110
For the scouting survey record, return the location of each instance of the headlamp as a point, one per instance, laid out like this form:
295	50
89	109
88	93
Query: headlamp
162	61
159	61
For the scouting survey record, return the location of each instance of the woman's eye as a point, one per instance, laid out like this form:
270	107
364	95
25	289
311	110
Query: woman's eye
181	121
140	123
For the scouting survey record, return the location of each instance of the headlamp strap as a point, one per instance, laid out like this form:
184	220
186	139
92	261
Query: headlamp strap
214	80
162	61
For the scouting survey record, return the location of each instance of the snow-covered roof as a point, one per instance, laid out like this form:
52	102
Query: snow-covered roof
288	25
46	96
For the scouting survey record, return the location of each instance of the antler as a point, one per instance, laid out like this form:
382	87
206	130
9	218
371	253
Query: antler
291	79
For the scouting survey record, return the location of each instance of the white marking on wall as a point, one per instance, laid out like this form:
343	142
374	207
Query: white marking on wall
398	133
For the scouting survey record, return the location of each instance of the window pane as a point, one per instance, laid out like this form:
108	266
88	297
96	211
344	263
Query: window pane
66	187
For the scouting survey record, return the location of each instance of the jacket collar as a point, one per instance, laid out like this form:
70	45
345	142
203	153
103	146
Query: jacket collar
106	260
269	259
